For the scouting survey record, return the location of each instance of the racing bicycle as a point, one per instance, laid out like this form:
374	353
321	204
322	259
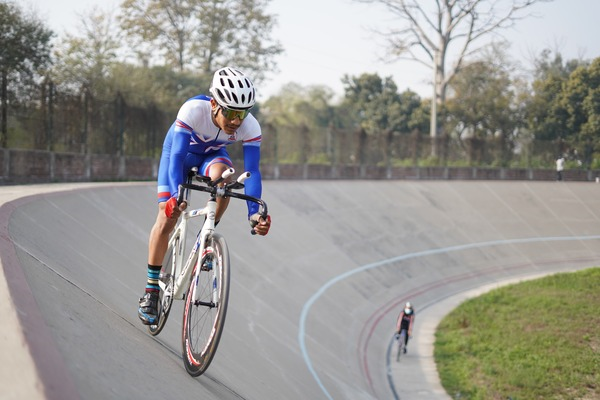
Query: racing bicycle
201	277
401	343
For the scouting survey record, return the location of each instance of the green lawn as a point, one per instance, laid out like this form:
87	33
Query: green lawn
533	340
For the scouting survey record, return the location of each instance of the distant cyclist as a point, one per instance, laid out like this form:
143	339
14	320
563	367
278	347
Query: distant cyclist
197	138
406	320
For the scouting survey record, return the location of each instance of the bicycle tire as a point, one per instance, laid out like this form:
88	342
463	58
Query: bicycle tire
401	344
203	323
165	297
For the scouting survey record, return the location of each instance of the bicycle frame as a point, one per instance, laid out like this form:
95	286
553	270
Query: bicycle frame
182	277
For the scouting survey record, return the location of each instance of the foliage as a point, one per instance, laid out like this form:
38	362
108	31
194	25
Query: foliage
24	52
374	102
84	62
581	100
534	340
158	86
202	34
483	103
298	105
546	117
25	41
376	107
300	116
565	106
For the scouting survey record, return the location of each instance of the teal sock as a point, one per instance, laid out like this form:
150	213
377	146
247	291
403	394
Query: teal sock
153	274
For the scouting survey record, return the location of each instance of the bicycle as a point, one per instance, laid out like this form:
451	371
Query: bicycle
202	281
401	343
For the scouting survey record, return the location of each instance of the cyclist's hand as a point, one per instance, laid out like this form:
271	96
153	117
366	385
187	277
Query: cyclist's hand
172	210
260	225
397	336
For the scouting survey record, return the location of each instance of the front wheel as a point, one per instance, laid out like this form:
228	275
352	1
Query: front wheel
206	307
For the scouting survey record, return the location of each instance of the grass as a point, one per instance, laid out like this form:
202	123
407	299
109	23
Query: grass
533	340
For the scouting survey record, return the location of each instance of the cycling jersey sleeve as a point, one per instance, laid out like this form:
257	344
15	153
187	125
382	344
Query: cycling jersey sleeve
253	185
179	149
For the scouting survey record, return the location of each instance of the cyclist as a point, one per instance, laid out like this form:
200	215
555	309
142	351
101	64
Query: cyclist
197	138
406	319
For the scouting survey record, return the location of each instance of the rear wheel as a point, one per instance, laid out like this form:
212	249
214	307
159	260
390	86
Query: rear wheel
166	283
206	307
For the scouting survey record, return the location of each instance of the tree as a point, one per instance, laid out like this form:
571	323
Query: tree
380	110
580	97
302	118
434	31
546	115
25	50
483	103
373	100
160	24
204	34
85	60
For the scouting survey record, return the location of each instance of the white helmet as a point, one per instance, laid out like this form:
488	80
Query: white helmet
232	89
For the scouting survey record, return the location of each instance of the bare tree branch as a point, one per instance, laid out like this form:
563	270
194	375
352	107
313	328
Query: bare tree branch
430	31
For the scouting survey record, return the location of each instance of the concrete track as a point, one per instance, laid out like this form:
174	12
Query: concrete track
313	305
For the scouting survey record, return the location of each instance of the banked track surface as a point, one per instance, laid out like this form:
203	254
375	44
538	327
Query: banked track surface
313	304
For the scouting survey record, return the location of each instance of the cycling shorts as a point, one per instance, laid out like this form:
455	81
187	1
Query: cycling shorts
202	161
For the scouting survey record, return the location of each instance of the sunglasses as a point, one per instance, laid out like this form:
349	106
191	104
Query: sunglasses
233	114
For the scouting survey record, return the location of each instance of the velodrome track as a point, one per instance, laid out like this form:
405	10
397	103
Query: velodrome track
313	305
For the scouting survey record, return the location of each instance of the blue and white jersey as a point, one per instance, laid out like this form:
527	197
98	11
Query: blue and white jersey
194	119
194	140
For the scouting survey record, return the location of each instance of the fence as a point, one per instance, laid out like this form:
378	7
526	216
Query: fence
40	166
64	137
87	125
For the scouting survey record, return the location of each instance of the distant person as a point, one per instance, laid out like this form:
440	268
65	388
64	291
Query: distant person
406	320
560	166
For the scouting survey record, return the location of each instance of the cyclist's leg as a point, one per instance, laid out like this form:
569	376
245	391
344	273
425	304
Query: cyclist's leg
157	248
159	234
158	240
214	165
163	226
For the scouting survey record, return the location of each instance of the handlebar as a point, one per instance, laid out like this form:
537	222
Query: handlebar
226	190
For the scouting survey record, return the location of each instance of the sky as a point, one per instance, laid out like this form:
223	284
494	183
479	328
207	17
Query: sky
324	40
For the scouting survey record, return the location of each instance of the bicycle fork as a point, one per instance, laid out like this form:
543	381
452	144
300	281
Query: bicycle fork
206	265
206	261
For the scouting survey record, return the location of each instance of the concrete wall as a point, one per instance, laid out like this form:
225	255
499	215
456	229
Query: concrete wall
37	166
